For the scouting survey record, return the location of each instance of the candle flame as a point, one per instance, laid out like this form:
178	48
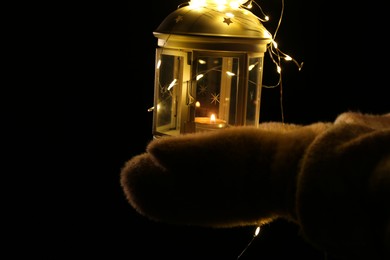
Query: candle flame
212	118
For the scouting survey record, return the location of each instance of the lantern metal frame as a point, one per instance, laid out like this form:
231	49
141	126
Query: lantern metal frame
185	37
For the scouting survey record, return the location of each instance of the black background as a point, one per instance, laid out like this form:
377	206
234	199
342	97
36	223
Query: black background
92	118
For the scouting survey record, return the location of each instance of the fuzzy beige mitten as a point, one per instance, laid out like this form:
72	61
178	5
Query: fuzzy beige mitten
330	178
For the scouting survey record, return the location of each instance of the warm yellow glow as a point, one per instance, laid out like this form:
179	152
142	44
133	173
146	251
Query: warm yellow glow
268	34
246	12
279	69
202	61
197	104
234	4
219	3
230	15
212	118
230	73
266	17
199	76
158	64
197	3
287	57
172	84
210	122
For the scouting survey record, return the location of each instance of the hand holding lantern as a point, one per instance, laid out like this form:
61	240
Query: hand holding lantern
317	176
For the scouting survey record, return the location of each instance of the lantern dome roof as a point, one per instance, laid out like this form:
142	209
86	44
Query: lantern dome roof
206	21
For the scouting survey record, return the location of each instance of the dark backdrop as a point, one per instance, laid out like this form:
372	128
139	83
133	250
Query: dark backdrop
94	118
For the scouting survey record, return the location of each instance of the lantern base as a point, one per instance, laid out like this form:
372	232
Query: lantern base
203	124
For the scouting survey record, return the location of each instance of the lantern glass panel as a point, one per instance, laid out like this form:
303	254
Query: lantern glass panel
216	91
167	91
254	90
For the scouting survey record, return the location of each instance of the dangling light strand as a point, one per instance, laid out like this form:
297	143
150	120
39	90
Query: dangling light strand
273	49
249	6
276	55
257	231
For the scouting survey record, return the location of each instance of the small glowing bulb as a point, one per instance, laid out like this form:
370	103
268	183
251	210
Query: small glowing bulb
230	15
266	17
199	76
279	69
287	57
252	66
257	231
230	73
202	61
275	44
197	104
172	84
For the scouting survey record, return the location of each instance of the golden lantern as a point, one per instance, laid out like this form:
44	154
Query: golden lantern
209	68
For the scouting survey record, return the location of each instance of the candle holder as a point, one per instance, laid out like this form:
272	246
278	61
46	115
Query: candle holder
209	68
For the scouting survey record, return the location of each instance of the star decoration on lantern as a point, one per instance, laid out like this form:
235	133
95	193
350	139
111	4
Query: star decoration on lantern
214	98
202	89
162	90
179	18
227	20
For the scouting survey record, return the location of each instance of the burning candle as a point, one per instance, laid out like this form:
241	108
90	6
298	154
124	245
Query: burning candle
213	119
209	123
